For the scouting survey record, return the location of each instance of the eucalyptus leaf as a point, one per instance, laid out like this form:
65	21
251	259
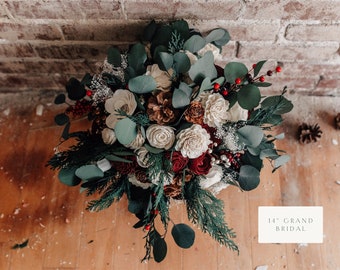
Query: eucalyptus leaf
166	61
183	235
126	131
234	70
194	43
160	248
75	89
149	31
181	62
68	177
280	103
203	68
114	57
118	159
249	96
206	85
254	161
137	57
258	67
66	131
281	160
61	119
249	177
142	84
214	35
89	172
182	27
59	99
181	96
223	40
261	84
135	207
268	153
153	150
250	135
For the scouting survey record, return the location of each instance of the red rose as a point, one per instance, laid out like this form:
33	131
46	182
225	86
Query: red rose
178	161
201	165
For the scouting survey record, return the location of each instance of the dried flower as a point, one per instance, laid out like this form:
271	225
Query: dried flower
194	113
160	108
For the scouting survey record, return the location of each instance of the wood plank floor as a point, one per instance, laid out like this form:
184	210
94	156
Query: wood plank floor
63	235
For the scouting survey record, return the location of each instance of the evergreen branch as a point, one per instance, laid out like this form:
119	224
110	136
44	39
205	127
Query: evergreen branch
176	42
112	193
206	210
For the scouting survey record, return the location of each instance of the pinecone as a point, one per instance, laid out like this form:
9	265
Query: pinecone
309	133
337	121
160	108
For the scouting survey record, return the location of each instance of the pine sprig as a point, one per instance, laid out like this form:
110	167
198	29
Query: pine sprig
176	42
206	210
112	193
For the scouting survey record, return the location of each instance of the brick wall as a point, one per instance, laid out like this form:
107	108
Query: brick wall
44	42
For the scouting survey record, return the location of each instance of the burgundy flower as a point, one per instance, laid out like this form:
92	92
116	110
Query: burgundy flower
178	162
201	165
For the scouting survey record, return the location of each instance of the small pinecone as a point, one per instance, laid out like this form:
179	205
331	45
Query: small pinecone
337	121
309	133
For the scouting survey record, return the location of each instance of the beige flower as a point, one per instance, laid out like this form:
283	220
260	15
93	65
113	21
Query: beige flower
237	113
134	181
215	110
108	136
142	157
160	136
215	175
121	100
137	142
193	141
210	47
162	78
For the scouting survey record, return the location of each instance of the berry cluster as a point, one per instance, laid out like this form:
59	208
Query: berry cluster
80	108
233	159
225	89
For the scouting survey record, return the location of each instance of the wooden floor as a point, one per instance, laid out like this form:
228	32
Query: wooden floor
62	235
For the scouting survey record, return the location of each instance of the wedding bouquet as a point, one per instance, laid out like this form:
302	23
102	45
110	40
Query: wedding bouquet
168	124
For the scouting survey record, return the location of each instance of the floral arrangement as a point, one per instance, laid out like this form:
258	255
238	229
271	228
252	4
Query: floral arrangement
168	124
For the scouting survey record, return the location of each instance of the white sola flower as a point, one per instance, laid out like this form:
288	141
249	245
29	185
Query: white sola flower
193	141
160	136
108	136
215	110
121	100
237	113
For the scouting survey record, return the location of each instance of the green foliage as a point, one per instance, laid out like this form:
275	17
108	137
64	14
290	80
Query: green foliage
234	70
112	193
89	172
61	119
250	135
59	99
142	84
194	43
136	58
249	96
183	235
126	131
258	67
68	176
205	210
114	56
181	96
20	245
75	89
203	68
249	177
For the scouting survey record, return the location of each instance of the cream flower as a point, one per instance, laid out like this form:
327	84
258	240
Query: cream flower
160	136
162	78
142	157
210	47
108	136
137	142
134	181
214	175
193	141
121	100
237	113
215	110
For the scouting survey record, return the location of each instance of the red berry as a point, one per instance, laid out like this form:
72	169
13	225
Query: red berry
262	79
88	93
269	73
147	227
225	92
155	212
238	80
254	65
216	86
278	69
